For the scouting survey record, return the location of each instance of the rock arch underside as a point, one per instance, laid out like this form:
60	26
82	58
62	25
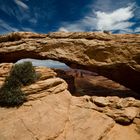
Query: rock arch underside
115	56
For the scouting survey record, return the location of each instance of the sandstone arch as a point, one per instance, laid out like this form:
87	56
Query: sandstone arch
116	57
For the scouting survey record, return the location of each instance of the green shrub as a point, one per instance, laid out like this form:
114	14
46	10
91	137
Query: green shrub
20	74
23	73
11	97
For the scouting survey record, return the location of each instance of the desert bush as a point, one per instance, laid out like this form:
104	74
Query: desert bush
11	97
20	74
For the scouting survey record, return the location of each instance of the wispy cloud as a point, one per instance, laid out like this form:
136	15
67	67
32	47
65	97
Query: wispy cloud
6	27
72	27
118	19
137	30
27	29
21	4
16	10
63	29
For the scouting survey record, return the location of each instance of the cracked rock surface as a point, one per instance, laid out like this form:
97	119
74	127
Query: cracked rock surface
52	113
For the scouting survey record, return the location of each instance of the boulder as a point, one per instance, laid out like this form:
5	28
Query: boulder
101	101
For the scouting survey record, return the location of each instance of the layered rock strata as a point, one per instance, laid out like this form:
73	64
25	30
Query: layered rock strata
114	56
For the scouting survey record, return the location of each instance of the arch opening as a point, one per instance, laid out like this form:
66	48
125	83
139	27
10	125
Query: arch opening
47	63
83	82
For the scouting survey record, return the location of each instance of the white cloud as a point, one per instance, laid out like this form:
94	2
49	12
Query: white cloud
71	27
116	20
21	4
62	29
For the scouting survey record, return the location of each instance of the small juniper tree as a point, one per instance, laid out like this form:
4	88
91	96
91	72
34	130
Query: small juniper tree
20	74
23	73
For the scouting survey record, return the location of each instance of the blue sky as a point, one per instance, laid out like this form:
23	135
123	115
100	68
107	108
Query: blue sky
47	63
43	16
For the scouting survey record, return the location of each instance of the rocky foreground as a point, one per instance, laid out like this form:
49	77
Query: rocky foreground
114	56
52	113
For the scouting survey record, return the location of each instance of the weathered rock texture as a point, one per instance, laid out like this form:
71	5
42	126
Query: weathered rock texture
114	56
51	113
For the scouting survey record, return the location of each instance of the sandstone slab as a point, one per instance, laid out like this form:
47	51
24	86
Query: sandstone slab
52	113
